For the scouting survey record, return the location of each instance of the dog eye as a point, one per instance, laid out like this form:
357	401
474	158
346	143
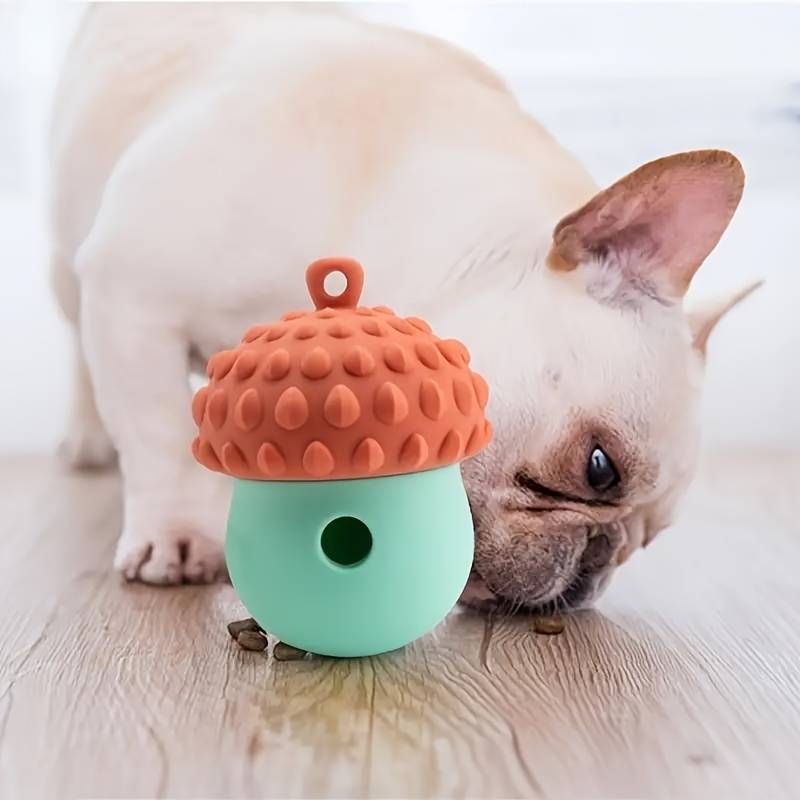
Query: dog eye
601	473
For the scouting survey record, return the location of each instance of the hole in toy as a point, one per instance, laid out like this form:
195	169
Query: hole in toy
335	283
346	541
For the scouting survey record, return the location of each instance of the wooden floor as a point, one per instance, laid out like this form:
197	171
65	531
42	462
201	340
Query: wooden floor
686	682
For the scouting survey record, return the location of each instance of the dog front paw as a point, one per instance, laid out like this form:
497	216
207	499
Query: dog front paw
169	557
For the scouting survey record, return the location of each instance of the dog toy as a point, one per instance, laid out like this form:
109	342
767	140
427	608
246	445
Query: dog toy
349	530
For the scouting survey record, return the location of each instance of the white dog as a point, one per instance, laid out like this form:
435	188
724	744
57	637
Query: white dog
204	155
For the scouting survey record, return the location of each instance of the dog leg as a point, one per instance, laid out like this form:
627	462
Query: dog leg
86	443
175	510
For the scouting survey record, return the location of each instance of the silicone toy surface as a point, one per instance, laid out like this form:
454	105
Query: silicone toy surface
349	532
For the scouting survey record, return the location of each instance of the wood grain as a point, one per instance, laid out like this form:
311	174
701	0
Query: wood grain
685	683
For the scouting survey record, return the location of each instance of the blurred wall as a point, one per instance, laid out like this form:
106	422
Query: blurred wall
618	84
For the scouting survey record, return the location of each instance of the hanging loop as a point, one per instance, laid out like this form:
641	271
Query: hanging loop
320	269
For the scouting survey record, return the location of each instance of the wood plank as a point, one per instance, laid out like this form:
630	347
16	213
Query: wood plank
684	683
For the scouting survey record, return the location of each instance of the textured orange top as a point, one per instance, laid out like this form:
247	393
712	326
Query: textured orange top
339	392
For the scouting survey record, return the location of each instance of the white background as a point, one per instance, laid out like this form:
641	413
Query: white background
618	84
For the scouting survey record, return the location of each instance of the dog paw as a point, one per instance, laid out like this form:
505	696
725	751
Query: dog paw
87	446
170	557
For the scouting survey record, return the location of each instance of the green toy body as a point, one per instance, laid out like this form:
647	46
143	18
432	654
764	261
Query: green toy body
350	567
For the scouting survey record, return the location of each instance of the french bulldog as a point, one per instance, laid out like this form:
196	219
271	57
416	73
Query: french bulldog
203	155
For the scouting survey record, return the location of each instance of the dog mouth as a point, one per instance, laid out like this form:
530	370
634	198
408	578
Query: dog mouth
578	594
591	576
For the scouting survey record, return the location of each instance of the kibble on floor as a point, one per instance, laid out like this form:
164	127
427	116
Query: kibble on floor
548	626
252	640
285	652
249	624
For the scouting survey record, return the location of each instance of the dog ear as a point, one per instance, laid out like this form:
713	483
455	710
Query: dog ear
704	317
657	225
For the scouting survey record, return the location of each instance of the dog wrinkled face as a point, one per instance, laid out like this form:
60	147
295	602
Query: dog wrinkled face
597	413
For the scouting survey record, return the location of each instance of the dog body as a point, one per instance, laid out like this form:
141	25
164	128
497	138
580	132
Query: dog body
204	155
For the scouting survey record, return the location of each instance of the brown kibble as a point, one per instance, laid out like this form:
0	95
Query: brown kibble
249	624
548	626
252	640
285	652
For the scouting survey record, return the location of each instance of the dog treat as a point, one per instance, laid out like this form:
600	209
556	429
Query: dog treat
252	640
285	652
249	624
548	626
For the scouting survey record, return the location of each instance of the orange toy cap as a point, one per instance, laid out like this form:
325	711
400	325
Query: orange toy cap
342	391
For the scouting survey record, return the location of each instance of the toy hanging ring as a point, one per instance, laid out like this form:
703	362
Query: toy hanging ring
320	269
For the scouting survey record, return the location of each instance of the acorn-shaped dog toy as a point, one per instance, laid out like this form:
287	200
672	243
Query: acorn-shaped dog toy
349	531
